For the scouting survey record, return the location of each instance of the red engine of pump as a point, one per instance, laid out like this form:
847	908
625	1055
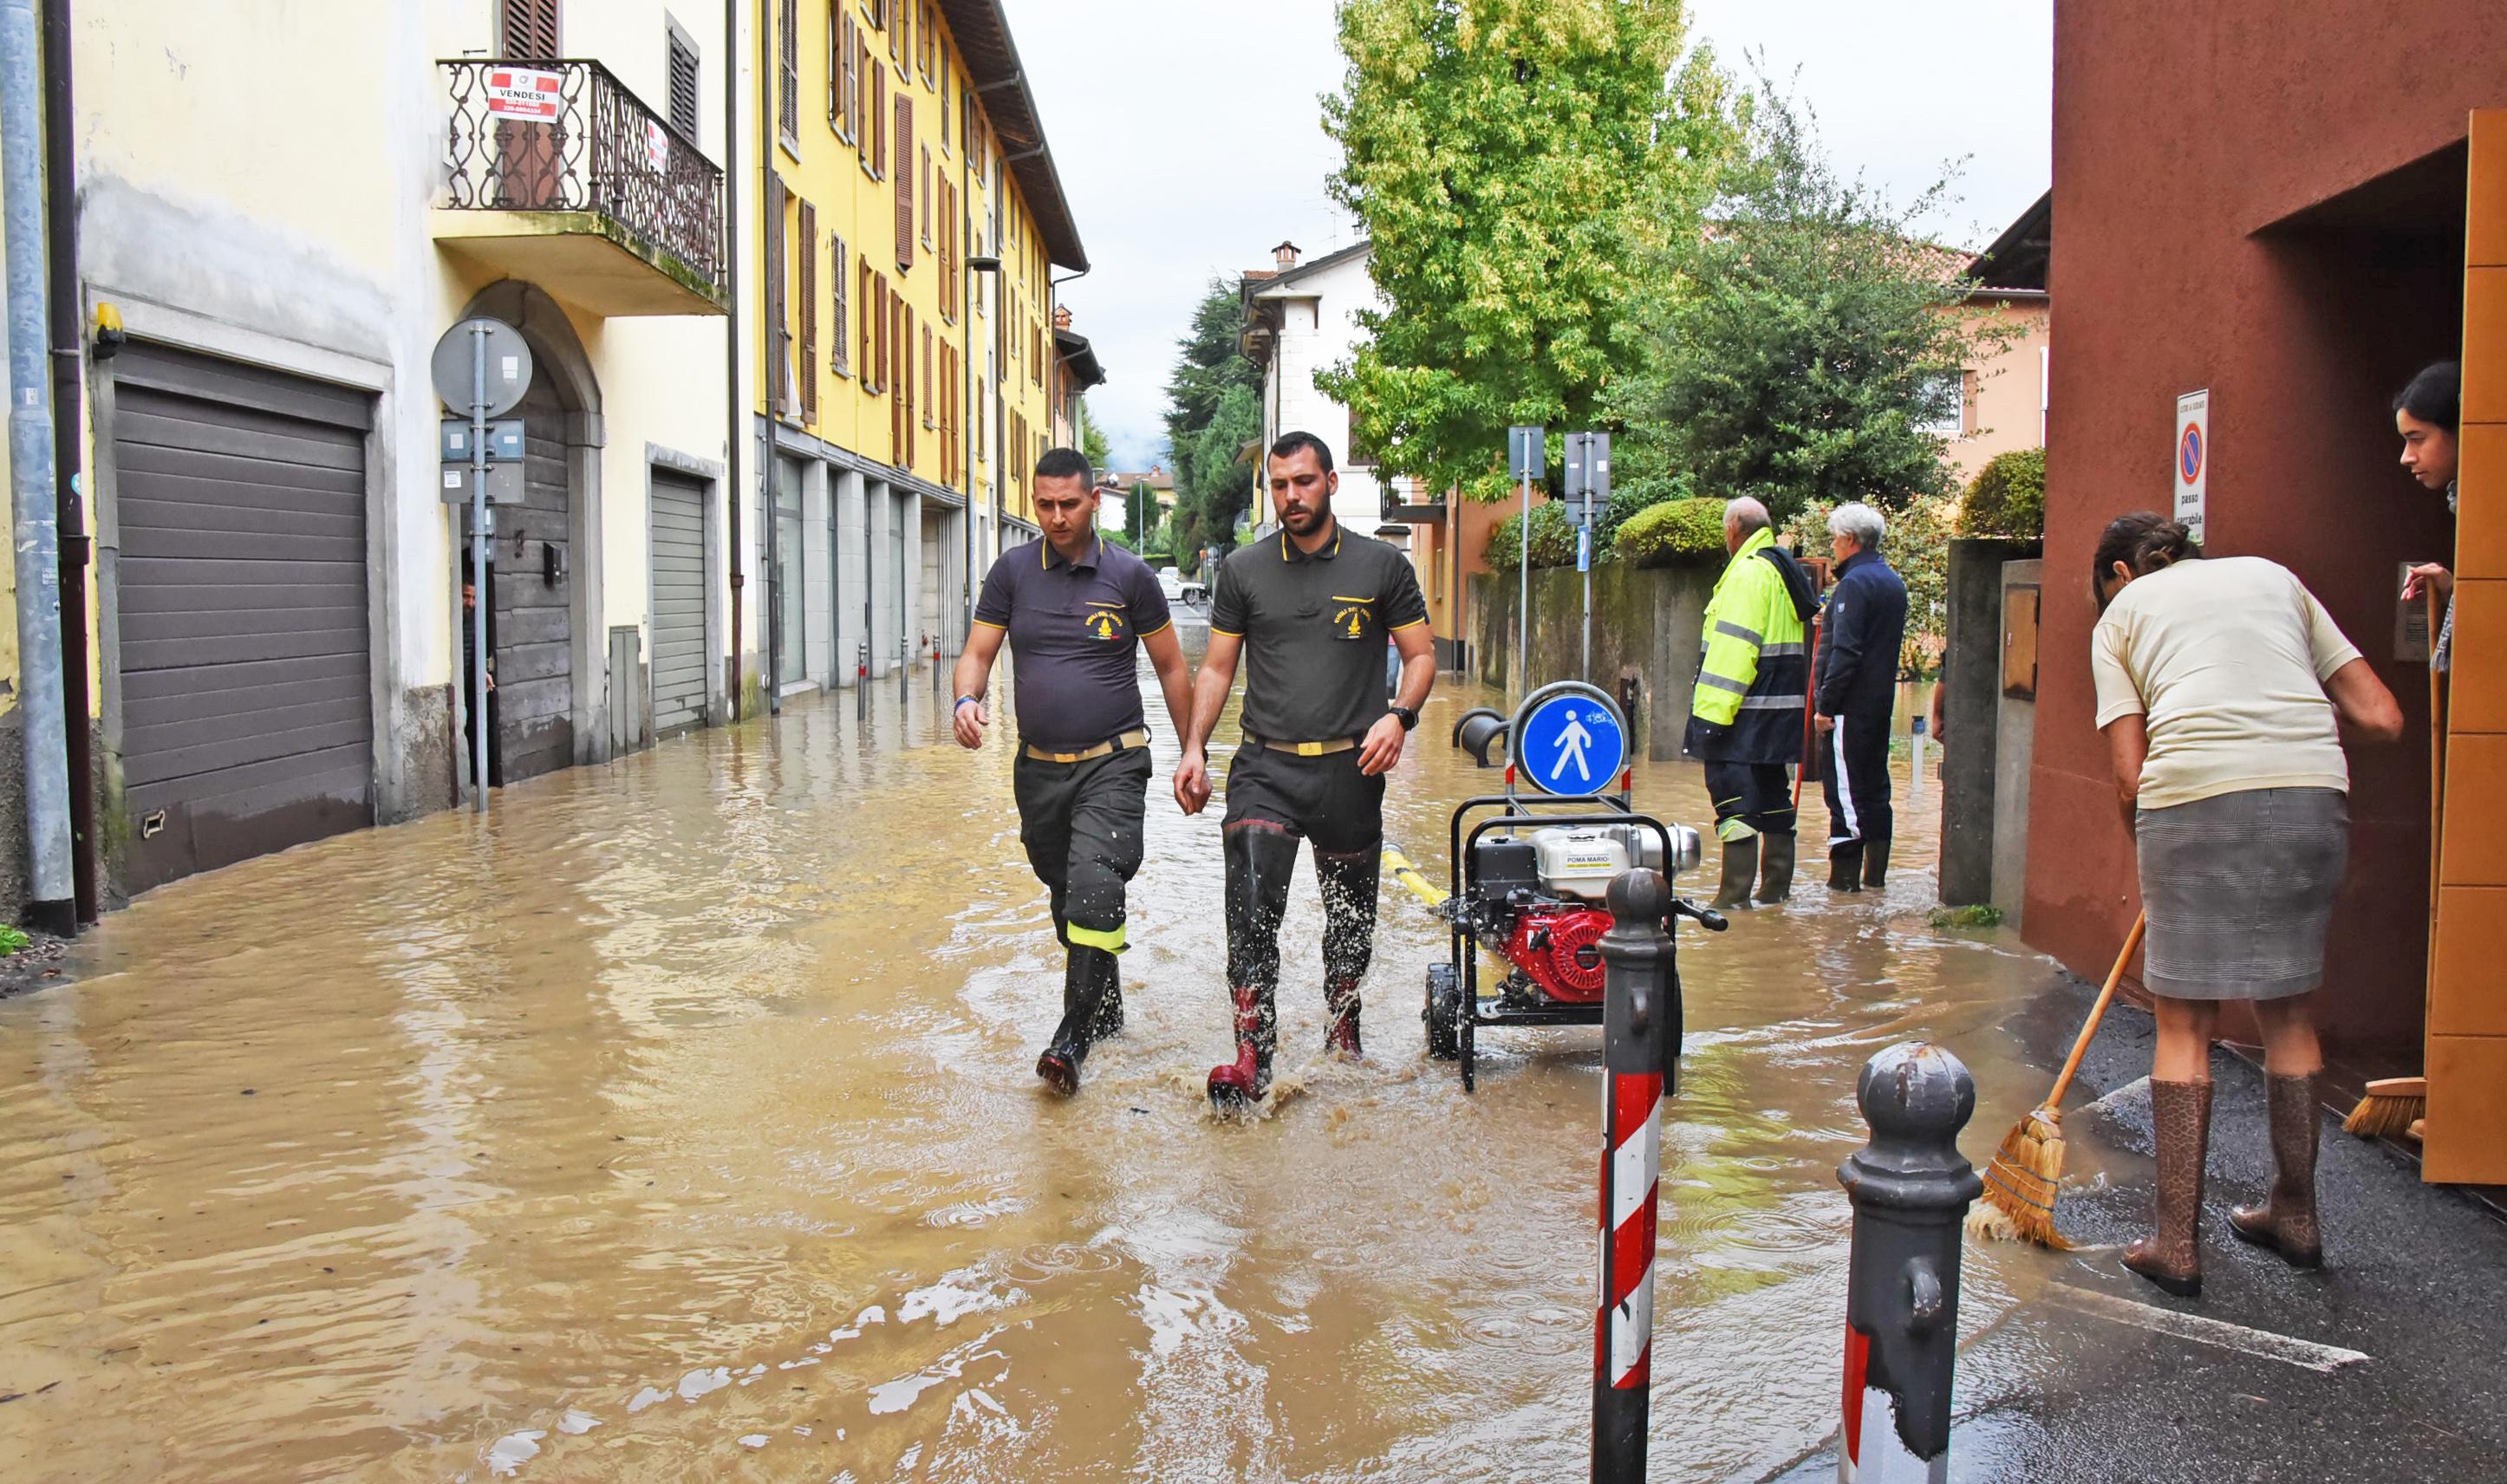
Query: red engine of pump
1560	948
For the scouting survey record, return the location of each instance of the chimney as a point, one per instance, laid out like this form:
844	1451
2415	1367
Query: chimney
1062	316
1285	255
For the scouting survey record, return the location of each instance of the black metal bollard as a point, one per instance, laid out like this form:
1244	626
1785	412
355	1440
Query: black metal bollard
1910	1188
1640	1045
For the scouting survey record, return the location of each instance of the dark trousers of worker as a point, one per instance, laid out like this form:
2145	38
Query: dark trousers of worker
1274	799
1854	774
1081	826
1750	799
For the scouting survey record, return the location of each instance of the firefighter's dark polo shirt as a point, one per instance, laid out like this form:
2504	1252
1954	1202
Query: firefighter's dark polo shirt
1315	629
1075	629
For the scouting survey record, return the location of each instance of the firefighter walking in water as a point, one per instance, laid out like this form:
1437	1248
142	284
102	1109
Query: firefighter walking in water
1308	609
1076	612
1744	718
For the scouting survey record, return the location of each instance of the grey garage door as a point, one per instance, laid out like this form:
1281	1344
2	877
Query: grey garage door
246	719
679	645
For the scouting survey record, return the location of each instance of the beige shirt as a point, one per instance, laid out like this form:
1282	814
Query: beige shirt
2227	660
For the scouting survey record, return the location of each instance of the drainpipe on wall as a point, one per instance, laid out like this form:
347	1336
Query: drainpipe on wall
50	903
733	424
61	213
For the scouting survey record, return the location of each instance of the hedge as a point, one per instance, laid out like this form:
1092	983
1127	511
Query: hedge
2007	497
1673	534
1554	539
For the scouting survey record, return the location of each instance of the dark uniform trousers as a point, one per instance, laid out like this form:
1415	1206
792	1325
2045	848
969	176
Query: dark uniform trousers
1750	796
1275	799
1854	773
1081	826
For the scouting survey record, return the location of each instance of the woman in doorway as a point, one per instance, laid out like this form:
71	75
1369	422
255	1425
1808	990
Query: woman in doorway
2425	413
2218	683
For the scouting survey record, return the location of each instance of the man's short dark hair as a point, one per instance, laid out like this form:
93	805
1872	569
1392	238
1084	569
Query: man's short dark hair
1065	463
1291	444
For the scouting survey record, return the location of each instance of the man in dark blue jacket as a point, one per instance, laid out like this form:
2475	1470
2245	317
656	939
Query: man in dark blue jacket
1856	692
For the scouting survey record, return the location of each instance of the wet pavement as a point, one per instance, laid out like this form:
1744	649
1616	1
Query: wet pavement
676	1121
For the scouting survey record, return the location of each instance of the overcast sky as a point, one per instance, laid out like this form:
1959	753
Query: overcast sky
1190	138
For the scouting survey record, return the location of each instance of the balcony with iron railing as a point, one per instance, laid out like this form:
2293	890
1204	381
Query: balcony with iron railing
1407	501
560	175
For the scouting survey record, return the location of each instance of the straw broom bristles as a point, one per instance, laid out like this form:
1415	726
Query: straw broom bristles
2390	1108
2026	1173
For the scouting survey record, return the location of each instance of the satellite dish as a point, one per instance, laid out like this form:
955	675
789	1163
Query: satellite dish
462	378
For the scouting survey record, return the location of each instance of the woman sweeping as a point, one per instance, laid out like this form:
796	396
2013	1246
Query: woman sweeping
2218	683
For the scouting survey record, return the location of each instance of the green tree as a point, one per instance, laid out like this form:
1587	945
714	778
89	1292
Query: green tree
1093	444
1917	548
1214	407
1139	514
1510	158
1800	344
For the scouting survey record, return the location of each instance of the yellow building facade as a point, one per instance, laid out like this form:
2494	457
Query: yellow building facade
904	383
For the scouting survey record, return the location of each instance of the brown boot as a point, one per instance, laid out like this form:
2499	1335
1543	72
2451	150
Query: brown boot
2180	1123
2286	1220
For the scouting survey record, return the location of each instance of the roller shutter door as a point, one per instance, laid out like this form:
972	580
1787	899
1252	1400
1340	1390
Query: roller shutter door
247	720
679	646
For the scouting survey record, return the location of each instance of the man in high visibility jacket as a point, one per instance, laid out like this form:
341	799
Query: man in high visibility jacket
1746	717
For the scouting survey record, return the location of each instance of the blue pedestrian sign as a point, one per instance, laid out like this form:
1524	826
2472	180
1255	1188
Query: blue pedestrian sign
1569	739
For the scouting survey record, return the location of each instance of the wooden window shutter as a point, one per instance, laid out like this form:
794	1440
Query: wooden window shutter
531	30
906	325
904	182
788	70
854	50
927	376
896	23
877	155
683	85
877	309
840	325
777	308
807	261
867	313
922	194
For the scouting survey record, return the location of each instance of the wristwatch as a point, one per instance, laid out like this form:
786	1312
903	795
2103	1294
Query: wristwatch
1409	718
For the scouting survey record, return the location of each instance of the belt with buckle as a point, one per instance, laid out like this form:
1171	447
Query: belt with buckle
1122	743
1304	748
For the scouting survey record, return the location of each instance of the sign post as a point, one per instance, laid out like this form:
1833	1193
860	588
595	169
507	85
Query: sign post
1525	447
2193	461
1588	484
481	367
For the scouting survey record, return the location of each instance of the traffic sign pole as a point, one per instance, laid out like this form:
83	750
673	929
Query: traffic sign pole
481	590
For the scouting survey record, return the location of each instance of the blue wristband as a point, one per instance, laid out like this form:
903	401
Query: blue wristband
966	700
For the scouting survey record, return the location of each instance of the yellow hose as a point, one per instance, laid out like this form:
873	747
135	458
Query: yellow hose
1408	875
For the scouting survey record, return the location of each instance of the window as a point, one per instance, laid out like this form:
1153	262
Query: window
967	132
904	182
844	72
807	260
866	297
682	63
787	75
927	377
877	309
897	24
1943	405
838	358
874	117
928	55
950	268
924	196
529	29
778	306
946	73
1035	364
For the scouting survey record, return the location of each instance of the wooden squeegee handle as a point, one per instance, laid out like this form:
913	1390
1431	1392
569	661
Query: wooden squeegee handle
2097	1012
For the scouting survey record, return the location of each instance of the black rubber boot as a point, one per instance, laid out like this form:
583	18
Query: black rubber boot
1876	863
1110	1010
1085	976
1741	872
1845	866
1776	868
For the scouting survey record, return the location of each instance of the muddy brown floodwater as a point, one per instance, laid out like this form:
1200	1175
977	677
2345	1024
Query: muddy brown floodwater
676	1121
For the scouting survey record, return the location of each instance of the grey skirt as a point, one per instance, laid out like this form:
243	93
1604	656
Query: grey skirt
2240	888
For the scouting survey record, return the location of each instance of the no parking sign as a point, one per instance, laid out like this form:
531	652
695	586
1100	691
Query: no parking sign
2193	459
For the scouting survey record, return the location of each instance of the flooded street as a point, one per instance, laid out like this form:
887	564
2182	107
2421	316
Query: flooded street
678	1122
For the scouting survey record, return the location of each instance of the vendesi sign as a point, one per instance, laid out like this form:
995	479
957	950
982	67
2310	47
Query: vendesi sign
525	93
2193	461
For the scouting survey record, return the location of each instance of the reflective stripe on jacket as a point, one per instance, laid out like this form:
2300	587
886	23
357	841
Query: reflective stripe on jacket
1754	678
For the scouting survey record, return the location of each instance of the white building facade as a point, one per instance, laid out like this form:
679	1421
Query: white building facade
1303	318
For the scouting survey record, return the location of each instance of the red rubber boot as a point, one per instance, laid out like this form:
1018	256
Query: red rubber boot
1340	997
1238	1084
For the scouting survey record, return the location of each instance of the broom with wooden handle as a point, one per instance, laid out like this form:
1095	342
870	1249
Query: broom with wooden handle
2027	1170
2393	1104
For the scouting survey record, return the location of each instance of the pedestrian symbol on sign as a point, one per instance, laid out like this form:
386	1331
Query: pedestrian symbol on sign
1569	740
